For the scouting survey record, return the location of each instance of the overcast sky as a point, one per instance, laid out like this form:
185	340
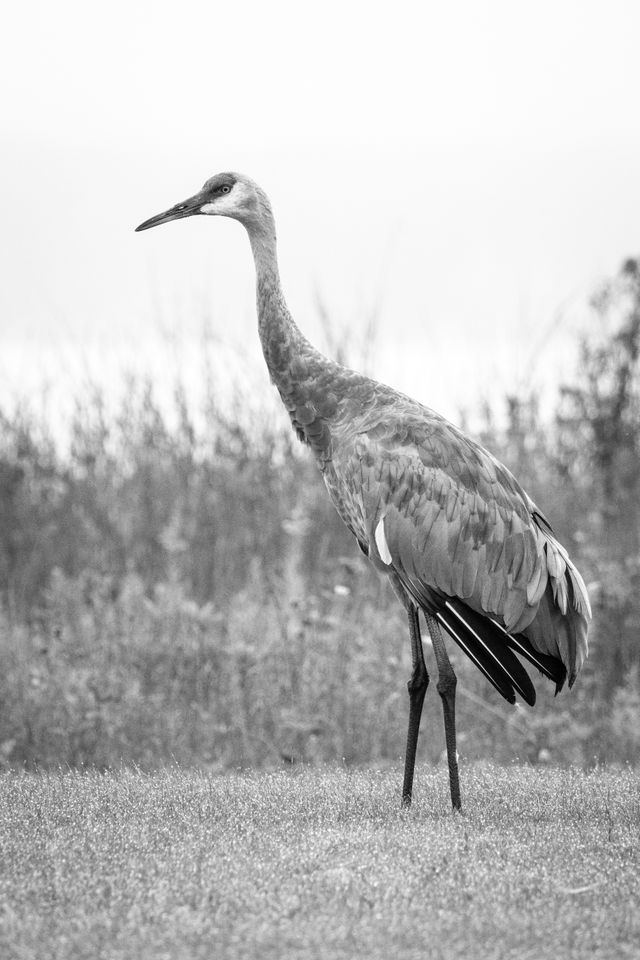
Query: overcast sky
467	172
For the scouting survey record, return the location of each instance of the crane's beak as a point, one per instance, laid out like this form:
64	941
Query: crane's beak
188	208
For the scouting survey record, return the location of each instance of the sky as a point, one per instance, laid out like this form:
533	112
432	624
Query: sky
463	175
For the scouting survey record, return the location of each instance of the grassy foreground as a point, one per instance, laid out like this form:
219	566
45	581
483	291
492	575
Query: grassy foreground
320	863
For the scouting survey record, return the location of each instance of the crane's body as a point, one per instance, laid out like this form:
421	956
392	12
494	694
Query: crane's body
434	511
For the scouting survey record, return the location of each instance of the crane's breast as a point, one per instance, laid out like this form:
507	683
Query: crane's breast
348	503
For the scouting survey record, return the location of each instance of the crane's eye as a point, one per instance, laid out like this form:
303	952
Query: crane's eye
225	189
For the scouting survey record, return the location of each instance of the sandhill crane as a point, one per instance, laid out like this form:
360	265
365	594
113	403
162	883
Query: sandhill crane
434	511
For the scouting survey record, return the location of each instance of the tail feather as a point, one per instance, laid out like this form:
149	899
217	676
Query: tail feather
561	637
484	643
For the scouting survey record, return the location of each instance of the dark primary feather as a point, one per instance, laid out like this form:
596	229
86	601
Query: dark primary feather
481	640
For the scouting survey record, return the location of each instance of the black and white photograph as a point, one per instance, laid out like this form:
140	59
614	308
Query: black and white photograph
320	481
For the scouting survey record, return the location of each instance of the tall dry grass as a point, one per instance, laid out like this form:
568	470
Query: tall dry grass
175	584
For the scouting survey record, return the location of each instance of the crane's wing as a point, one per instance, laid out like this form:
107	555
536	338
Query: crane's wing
460	533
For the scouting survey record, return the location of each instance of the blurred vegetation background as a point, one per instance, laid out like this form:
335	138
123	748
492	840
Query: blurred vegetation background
176	586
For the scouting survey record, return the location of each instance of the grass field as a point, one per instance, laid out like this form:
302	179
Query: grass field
320	864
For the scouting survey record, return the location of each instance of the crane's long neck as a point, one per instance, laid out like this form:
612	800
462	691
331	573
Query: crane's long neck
286	351
304	377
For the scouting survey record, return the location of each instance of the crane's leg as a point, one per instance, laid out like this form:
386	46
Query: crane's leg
417	687
446	687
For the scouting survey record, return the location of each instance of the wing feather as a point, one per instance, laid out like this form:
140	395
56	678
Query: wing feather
458	525
470	572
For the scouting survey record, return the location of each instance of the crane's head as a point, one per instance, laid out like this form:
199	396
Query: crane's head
225	195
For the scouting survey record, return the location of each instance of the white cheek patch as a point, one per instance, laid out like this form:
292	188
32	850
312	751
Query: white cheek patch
224	206
381	543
